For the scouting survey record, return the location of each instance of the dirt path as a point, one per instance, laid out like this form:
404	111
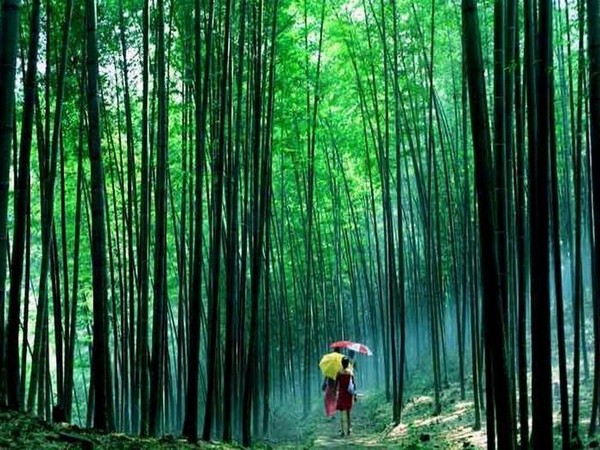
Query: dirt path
362	436
451	430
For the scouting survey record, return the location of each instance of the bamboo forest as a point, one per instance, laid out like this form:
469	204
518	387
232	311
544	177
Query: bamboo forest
300	224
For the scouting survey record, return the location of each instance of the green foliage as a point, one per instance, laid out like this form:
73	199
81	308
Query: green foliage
355	135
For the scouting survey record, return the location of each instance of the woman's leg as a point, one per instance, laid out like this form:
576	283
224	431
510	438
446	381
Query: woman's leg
342	414
349	423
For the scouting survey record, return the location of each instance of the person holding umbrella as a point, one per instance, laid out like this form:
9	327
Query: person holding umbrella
352	348
339	385
346	393
330	366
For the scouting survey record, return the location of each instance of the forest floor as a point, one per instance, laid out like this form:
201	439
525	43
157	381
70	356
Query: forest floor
420	429
22	431
371	429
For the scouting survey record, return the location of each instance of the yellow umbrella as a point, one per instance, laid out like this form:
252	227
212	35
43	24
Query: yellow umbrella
331	364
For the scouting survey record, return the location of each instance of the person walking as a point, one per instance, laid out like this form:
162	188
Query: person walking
329	396
329	386
346	394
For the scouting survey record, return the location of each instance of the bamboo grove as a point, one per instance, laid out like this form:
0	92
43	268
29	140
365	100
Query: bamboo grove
197	196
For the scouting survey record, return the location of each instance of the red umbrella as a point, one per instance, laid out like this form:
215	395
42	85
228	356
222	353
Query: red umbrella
354	346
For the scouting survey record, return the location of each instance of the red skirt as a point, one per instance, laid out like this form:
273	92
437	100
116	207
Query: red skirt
330	400
344	399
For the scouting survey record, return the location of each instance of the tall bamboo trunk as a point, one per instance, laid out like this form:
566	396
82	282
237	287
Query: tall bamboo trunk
593	11
103	414
22	193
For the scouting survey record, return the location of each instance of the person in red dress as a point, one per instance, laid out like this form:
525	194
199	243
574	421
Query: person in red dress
329	389
346	391
330	397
